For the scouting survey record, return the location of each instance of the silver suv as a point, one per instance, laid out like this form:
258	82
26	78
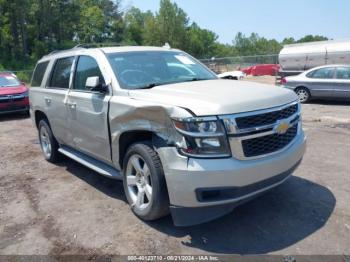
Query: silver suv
182	140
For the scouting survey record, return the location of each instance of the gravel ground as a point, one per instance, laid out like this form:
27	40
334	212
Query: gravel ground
68	209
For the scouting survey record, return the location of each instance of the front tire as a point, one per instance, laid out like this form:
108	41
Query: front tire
48	143
303	94
144	182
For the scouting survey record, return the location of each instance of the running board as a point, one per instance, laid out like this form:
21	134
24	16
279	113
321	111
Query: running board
91	163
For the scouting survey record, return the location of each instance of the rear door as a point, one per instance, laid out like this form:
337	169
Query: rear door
88	111
55	96
342	82
321	82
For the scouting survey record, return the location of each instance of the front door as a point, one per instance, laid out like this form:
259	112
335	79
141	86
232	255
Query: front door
321	83
88	112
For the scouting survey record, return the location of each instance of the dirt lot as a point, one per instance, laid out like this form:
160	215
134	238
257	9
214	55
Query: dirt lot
68	209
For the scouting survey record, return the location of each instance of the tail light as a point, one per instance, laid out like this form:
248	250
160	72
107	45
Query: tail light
283	81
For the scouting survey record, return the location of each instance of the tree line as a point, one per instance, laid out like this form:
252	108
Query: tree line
30	29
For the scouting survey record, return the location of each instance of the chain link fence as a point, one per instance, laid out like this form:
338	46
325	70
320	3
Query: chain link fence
225	64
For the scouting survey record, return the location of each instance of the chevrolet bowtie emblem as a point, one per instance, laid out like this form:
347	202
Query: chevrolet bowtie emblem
282	128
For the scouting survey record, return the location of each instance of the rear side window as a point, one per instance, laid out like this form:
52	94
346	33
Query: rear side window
323	73
343	73
61	73
86	67
38	74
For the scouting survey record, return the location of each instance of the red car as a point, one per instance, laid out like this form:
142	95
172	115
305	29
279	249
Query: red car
13	94
263	69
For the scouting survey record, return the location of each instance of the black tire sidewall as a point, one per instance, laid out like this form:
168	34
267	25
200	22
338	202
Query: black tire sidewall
159	204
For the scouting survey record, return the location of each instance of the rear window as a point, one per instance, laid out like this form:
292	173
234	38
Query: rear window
61	73
38	74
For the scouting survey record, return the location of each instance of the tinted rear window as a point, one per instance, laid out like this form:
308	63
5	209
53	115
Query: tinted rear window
38	74
61	73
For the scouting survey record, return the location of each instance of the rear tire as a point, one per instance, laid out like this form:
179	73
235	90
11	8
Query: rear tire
144	182
48	143
303	94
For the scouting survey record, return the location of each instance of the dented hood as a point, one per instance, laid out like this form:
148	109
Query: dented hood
217	97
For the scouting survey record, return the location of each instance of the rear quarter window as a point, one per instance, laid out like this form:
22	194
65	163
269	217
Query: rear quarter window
39	73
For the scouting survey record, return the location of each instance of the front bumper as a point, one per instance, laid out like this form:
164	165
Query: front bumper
14	106
213	187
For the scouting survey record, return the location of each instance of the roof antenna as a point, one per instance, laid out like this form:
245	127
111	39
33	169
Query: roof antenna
167	46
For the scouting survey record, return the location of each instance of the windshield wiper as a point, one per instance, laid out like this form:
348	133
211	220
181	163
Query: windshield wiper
148	86
197	79
151	85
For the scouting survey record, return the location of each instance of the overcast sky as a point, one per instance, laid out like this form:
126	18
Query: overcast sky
269	18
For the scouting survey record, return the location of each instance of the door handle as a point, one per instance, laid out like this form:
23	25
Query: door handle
71	105
48	100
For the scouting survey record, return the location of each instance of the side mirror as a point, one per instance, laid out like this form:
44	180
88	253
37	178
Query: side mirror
93	83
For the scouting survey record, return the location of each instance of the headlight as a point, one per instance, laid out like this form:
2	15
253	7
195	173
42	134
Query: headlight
203	137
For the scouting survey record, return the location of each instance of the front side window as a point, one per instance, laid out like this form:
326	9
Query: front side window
343	73
323	73
136	70
38	74
8	81
61	73
86	67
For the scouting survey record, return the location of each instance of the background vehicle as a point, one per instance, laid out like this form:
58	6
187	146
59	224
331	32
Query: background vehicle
261	70
297	58
234	75
13	94
332	81
181	139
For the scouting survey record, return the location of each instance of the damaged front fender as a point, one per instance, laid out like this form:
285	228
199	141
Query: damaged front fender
127	114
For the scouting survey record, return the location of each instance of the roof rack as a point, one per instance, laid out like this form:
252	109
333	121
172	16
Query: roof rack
87	45
96	45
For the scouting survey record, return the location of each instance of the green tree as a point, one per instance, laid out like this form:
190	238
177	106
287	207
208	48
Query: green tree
135	25
312	38
31	28
171	23
200	42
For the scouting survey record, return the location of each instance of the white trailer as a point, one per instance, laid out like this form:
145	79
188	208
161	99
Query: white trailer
297	58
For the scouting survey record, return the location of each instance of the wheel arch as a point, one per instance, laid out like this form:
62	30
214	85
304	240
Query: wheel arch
38	116
128	138
302	86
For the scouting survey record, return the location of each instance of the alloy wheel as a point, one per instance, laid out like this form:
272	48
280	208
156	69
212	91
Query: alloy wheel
139	183
45	142
303	95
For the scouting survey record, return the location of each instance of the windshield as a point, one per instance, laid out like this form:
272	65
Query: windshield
8	81
136	70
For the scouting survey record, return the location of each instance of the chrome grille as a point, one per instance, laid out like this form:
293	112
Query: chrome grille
266	118
11	98
264	132
268	144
